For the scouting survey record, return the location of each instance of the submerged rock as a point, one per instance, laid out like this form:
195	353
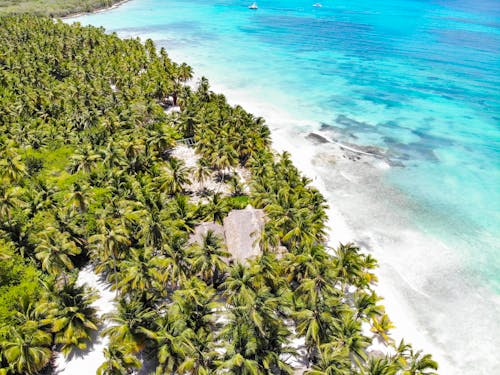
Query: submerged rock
316	138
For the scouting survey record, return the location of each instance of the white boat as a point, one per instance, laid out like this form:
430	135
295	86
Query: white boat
317	5
253	6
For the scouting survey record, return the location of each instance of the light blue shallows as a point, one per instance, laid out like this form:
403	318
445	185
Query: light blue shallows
418	78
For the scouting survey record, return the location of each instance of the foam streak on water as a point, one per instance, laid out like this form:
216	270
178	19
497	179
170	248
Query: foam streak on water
420	79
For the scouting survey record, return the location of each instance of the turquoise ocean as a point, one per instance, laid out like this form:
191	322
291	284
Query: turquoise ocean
419	80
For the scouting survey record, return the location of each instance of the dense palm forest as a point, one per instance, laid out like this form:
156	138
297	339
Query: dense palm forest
53	7
87	177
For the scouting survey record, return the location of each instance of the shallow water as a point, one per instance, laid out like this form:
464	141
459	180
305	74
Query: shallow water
421	80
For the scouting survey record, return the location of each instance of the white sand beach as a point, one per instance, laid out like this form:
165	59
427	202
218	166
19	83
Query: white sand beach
342	180
88	361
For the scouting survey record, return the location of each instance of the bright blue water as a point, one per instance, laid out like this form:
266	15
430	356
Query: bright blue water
418	78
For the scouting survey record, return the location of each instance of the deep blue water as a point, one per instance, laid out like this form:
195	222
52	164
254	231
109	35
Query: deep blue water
418	78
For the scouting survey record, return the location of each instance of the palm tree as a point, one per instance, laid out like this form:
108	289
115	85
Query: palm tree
84	159
179	175
237	364
118	361
203	171
348	335
241	285
54	251
207	258
137	272
381	326
76	319
182	214
26	350
180	73
40	197
331	362
176	267
366	305
185	72
173	344
11	166
349	264
113	156
195	303
159	141
79	200
153	232
189	121
216	209
109	243
34	314
414	363
267	268
10	199
203	90
201	359
128	324
315	326
255	339
304	265
225	158
421	364
380	366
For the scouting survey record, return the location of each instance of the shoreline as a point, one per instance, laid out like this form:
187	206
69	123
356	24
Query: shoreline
340	228
95	11
393	286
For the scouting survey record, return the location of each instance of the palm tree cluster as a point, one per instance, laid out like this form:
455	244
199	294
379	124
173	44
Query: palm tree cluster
87	176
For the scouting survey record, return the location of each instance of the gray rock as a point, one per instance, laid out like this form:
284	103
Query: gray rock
316	138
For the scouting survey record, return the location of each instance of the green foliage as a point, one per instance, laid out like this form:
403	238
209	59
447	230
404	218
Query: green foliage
87	175
238	202
18	280
53	7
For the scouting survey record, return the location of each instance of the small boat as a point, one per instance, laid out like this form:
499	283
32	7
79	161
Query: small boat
317	5
253	6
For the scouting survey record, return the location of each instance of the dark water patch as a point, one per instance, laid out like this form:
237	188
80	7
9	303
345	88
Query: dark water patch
419	151
315	34
351	123
370	149
326	127
489	7
337	131
475	40
395	152
395	163
379	99
432	140
422	149
473	21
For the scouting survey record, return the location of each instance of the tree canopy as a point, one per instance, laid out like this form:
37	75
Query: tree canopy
88	123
